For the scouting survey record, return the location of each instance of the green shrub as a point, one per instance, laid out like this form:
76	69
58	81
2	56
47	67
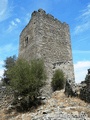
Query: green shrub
58	80
27	79
8	63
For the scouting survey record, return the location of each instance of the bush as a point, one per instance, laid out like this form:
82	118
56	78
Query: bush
27	79
8	63
58	80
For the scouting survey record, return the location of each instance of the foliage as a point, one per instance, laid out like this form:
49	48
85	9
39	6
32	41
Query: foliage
27	78
58	80
8	63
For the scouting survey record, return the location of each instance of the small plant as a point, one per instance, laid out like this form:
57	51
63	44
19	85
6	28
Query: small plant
58	80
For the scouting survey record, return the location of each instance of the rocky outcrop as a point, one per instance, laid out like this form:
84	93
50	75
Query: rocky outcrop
58	107
81	90
71	89
85	90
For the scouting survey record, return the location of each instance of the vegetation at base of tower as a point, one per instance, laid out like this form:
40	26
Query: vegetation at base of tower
27	80
8	63
58	80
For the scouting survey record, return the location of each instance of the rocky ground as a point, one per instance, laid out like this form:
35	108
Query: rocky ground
58	107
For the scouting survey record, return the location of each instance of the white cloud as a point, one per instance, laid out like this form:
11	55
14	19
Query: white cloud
1	68
80	69
11	27
86	12
1	73
13	24
17	20
82	27
27	18
4	10
84	19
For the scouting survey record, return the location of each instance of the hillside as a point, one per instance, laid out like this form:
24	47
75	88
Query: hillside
58	107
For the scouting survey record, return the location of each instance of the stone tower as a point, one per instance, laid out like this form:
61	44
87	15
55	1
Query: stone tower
47	38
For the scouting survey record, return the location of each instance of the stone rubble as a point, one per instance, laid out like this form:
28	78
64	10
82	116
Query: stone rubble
85	90
6	96
53	111
58	107
81	90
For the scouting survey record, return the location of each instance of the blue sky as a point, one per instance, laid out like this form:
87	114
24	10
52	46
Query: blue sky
15	14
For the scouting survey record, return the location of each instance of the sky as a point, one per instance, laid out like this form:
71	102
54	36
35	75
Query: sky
15	14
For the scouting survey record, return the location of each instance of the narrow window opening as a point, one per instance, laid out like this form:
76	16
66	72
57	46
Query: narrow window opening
26	41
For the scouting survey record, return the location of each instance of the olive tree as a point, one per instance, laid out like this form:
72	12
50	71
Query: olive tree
9	62
27	78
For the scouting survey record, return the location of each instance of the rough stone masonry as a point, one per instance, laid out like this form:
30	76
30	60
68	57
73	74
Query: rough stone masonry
47	38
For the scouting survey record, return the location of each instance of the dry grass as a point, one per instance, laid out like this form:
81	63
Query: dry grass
58	98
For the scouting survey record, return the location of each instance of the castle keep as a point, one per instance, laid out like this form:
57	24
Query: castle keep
47	38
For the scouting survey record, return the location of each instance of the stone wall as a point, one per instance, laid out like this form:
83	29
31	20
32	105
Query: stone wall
85	90
6	97
47	38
